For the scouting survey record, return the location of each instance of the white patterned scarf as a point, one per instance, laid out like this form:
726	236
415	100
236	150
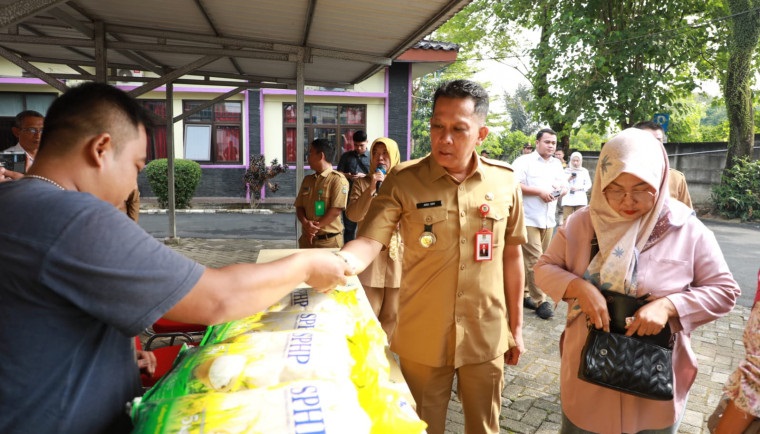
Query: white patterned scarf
621	240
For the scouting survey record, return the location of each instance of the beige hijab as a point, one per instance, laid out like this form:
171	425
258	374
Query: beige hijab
638	153
393	152
394	246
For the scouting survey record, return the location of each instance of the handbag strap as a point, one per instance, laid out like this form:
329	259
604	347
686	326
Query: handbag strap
595	248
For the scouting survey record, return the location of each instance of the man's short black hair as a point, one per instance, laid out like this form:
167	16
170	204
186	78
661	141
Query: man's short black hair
543	131
18	122
649	125
91	109
360	136
465	89
325	147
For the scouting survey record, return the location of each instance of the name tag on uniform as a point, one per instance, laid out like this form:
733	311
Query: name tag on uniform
319	208
429	204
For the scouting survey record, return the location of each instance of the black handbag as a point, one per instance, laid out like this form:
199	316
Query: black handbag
637	365
627	364
621	306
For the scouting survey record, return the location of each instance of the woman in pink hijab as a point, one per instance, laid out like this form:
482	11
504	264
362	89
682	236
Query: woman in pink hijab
648	246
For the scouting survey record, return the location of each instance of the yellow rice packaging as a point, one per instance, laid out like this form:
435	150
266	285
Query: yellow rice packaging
262	360
300	407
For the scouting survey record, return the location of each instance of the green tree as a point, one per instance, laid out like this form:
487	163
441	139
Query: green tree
516	105
512	144
602	62
744	32
585	139
685	119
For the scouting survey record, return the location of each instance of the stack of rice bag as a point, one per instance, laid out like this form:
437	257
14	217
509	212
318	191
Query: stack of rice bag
311	363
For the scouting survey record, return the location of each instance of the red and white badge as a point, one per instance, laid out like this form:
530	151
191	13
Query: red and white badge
483	238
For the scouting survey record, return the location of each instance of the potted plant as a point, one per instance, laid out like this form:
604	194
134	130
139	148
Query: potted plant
258	176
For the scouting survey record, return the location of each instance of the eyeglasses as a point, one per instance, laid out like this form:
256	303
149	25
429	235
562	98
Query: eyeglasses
32	131
619	195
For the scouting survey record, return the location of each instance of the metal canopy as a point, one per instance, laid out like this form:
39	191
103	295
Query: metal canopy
234	43
340	42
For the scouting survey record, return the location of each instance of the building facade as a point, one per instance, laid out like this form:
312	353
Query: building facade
223	136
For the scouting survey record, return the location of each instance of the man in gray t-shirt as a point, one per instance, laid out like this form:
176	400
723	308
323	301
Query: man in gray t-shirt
78	279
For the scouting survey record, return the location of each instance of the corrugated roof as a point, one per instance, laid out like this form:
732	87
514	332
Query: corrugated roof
343	42
435	45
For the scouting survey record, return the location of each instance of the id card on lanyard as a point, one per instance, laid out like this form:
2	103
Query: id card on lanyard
483	238
319	206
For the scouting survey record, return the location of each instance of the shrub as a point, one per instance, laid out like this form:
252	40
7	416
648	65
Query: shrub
259	175
738	194
187	175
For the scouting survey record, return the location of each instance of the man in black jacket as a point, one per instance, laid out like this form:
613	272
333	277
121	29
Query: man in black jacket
354	164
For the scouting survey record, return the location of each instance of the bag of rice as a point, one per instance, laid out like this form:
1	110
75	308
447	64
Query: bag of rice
261	360
339	321
305	299
300	407
389	410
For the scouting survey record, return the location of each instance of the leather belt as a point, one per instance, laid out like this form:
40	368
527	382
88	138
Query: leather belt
326	236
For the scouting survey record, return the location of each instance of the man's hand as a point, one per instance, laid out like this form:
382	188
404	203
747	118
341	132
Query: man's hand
327	270
9	175
512	356
310	229
548	196
146	361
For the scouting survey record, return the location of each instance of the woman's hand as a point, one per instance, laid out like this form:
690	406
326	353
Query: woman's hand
377	176
651	318
591	301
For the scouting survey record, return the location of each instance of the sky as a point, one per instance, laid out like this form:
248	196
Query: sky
503	78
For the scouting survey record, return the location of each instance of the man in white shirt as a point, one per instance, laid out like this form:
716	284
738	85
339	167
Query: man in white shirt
27	128
543	182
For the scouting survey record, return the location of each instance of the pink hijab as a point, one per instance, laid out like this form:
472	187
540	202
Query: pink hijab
638	153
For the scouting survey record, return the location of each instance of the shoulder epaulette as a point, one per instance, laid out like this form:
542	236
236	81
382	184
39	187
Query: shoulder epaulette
407	164
497	163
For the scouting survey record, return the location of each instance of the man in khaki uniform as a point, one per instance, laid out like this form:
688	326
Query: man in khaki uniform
321	200
676	179
460	311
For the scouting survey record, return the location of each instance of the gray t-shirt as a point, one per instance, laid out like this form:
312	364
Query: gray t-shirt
78	279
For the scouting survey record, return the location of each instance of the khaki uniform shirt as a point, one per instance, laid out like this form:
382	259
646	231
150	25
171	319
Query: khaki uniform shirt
452	309
385	270
678	188
329	186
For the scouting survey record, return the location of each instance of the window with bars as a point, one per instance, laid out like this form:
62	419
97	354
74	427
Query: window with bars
213	135
156	147
334	122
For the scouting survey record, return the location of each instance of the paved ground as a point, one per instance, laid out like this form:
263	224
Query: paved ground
531	396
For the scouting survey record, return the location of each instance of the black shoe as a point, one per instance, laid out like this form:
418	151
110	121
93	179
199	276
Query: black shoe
529	304
544	310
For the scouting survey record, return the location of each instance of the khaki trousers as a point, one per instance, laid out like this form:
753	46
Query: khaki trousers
538	242
479	389
569	210
334	242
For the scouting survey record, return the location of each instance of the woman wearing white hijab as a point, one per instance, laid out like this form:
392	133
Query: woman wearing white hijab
648	245
580	182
